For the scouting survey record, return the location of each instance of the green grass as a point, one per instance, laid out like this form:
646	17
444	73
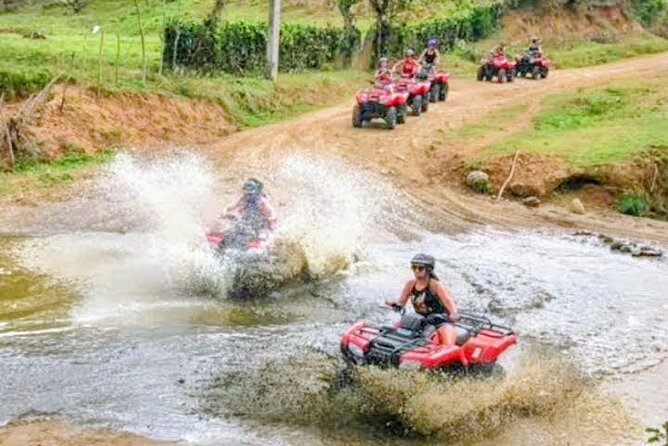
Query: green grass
586	53
32	174
594	127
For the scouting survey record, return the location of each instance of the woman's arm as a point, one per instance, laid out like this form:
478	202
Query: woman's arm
438	57
269	212
403	298
446	299
422	56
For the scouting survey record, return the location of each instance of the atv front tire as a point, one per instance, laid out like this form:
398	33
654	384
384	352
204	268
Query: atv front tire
501	75
416	105
535	72
357	117
545	72
402	110
435	92
391	118
425	102
481	74
443	94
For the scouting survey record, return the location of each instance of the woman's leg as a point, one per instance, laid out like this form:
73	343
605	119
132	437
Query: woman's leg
447	335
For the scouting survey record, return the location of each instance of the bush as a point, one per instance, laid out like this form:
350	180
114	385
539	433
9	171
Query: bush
240	47
472	23
633	204
20	83
650	12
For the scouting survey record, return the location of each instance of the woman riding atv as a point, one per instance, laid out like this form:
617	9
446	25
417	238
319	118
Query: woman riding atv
534	49
383	75
255	213
408	66
430	298
430	56
499	51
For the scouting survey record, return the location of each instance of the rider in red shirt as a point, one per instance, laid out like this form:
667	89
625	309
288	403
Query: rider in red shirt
408	66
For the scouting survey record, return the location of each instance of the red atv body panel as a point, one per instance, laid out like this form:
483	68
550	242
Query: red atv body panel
413	87
441	77
381	95
216	238
501	62
483	348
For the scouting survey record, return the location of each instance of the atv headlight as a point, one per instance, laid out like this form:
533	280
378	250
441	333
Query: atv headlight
410	365
356	351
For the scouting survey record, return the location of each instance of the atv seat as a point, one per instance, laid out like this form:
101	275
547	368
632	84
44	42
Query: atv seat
463	335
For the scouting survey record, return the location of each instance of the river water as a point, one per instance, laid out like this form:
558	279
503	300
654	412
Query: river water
113	312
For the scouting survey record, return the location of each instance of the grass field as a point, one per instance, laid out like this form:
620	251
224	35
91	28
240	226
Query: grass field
591	127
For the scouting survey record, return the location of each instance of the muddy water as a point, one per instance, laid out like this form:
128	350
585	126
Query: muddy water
130	328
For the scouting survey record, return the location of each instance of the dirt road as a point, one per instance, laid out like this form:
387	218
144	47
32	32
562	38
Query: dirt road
408	154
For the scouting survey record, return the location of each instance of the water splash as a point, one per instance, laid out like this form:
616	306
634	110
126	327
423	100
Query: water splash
333	210
542	397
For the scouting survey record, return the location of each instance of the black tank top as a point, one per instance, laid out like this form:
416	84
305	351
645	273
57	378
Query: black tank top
425	302
430	58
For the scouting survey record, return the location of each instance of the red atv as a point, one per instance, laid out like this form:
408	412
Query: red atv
418	93
439	82
411	343
497	66
532	64
380	103
239	237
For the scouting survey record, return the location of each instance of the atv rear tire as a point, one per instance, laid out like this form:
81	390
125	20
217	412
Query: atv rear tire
357	117
416	105
443	94
501	75
425	102
435	92
402	110
391	118
481	74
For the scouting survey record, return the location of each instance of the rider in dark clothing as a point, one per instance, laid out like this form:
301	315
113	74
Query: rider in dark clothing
430	298
255	213
534	49
430	55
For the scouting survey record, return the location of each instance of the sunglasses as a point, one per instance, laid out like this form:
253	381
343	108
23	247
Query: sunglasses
418	267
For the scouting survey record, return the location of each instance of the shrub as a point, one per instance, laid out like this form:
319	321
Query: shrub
240	47
633	204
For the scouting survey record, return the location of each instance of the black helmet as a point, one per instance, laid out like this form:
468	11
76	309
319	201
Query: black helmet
253	186
424	259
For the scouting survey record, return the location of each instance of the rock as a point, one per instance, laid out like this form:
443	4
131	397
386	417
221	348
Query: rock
476	177
526	190
616	245
577	207
531	202
646	251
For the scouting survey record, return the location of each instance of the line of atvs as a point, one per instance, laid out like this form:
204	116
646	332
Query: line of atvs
392	102
502	69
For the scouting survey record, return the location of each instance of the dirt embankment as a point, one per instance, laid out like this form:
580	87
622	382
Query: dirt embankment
77	118
603	23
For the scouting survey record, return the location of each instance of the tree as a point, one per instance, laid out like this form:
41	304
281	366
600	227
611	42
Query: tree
346	9
386	11
214	15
